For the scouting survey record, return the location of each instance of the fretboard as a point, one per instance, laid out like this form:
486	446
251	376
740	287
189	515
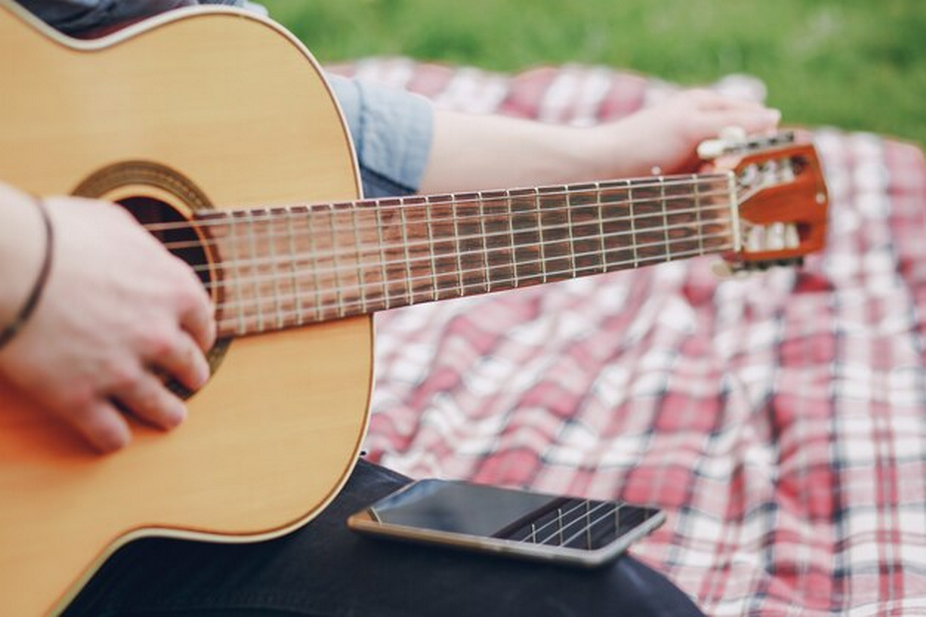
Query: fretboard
287	267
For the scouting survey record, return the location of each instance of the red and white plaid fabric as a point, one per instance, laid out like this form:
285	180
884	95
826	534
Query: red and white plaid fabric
780	419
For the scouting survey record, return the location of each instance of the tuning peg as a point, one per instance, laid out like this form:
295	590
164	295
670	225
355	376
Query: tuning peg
756	239
775	237
711	149
730	139
792	237
734	139
733	134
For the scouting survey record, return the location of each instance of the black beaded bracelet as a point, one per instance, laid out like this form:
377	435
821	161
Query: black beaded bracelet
33	299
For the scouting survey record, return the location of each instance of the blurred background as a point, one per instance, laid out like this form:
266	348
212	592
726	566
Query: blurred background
854	64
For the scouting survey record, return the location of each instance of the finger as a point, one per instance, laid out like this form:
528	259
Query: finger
184	361
199	320
710	124
148	399
709	100
103	426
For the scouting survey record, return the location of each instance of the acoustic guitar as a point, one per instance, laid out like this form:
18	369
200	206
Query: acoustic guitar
216	128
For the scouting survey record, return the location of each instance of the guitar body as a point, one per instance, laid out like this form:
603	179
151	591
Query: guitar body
199	108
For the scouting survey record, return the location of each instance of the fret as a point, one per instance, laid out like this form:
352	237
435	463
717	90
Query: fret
585	229
496	230
419	253
598	200
397	251
528	256
649	236
431	250
408	263
622	205
510	217
554	220
252	243
470	242
313	252
665	217
543	250
236	280
445	271
382	255
684	218
294	281
361	282
485	241
336	262
711	214
633	226
734	211
456	233
570	226
699	223
274	265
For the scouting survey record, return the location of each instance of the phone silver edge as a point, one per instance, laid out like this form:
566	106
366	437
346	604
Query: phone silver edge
362	522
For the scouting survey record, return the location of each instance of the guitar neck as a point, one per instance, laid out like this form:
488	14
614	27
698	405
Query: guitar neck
287	267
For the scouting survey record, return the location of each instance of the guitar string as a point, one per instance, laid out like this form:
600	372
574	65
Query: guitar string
219	217
429	243
274	221
278	275
351	252
474	218
276	272
428	277
242	324
320	309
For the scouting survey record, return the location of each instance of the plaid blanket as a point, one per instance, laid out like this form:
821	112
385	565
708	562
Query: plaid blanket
778	419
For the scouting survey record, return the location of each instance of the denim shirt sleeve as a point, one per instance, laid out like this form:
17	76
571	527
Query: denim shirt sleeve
391	129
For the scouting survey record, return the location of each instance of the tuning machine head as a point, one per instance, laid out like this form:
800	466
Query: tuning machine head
781	197
733	140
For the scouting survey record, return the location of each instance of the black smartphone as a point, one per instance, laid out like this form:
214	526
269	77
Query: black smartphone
509	522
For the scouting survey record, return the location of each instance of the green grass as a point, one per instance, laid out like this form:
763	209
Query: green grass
855	64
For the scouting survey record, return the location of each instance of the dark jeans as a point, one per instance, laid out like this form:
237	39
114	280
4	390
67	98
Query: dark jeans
325	569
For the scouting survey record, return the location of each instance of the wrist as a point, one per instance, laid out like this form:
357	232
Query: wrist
612	152
22	248
570	154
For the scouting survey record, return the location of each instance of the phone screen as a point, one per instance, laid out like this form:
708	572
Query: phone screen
444	509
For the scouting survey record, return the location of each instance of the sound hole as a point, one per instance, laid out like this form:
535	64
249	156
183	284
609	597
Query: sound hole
182	241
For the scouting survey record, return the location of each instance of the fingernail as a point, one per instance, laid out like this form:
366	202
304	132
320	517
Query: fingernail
177	417
203	378
116	438
773	115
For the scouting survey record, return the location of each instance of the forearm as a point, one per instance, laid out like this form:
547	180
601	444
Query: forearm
472	152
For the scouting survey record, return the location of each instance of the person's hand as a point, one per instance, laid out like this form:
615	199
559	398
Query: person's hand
666	136
118	309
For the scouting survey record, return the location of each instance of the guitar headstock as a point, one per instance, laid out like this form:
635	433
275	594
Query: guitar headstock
781	198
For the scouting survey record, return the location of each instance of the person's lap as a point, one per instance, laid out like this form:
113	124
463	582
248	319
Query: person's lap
325	569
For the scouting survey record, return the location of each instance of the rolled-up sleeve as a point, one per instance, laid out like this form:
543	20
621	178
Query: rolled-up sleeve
392	132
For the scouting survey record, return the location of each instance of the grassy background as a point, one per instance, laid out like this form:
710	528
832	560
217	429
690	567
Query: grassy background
856	64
